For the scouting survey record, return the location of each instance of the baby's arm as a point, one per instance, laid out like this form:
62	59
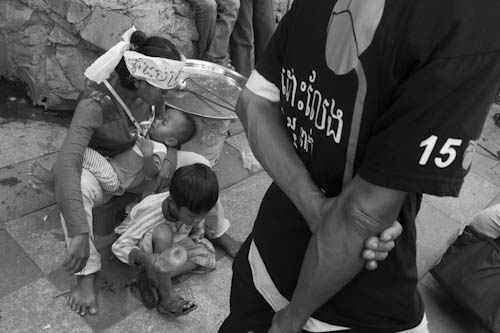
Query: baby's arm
149	165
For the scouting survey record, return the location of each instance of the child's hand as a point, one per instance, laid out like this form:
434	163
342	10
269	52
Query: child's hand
145	145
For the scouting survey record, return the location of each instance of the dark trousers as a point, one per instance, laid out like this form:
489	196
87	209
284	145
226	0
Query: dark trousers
249	312
252	30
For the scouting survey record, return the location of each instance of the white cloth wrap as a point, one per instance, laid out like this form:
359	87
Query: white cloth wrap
103	66
159	72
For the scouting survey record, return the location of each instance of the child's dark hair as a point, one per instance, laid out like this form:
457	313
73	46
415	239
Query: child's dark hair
150	46
186	130
195	187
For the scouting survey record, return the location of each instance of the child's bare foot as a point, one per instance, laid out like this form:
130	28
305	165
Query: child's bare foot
82	299
228	244
41	187
39	172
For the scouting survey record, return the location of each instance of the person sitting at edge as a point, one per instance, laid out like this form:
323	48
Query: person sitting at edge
165	220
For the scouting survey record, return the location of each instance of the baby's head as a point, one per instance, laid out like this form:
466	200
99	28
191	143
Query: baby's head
173	128
194	191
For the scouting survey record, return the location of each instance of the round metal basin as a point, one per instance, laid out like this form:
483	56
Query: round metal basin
207	90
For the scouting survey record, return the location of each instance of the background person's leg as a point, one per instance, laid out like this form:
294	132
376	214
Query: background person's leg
242	39
205	14
264	25
227	13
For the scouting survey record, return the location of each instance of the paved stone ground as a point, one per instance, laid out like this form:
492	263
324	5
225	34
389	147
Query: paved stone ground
32	247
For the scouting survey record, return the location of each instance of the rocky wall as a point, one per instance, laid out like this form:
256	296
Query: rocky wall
47	44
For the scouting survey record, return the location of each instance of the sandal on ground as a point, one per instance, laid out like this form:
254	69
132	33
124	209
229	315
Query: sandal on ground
148	290
175	307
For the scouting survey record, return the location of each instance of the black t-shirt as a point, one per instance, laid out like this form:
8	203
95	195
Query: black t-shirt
395	91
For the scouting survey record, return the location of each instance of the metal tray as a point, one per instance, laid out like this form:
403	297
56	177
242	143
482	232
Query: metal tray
207	90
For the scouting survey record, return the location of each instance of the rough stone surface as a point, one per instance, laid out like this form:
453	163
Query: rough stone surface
104	28
13	14
58	6
77	12
60	36
30	30
73	62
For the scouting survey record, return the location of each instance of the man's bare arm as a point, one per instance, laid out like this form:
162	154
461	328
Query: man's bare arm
267	136
332	258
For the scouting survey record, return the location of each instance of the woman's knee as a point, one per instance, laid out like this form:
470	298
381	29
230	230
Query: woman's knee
163	238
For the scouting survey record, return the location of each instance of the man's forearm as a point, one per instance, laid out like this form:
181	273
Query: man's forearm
332	257
267	136
329	264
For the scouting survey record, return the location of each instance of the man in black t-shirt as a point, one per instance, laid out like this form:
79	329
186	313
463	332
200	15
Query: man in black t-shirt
355	110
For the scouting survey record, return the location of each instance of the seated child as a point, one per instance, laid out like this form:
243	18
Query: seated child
132	167
165	220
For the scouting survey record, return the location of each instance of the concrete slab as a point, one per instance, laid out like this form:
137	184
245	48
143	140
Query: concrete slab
484	163
40	235
114	296
33	308
490	129
476	193
442	315
16	197
16	267
435	232
209	291
240	143
241	203
27	139
487	166
230	169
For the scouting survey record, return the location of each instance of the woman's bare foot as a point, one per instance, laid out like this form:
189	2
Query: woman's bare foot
228	244
41	187
82	299
40	172
43	180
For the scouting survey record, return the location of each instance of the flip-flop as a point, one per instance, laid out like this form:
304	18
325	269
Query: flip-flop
175	307
147	289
